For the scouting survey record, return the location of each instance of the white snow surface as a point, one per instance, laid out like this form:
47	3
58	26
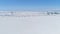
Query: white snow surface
30	25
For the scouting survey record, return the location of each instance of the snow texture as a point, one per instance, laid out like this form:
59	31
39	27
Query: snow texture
30	25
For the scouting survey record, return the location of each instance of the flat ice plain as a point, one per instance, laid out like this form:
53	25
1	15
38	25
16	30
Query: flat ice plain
30	25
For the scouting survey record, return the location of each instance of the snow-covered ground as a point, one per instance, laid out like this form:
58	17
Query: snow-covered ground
30	25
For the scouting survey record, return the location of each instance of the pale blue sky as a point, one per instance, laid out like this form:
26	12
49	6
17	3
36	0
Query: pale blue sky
28	4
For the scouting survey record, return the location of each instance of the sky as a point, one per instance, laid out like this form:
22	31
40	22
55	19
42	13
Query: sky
29	4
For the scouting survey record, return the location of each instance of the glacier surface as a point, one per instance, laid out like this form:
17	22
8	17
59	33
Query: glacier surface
30	25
